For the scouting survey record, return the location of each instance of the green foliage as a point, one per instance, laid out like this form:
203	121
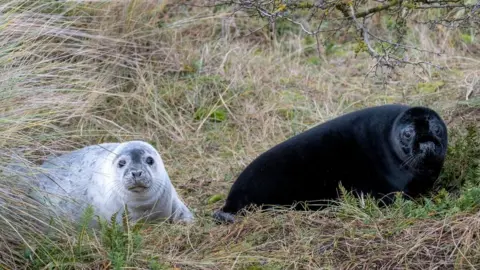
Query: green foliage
439	206
121	242
284	27
51	252
215	198
310	47
457	189
193	67
461	162
360	46
309	40
467	38
287	114
314	60
216	115
83	226
365	208
390	22
330	47
429	87
469	200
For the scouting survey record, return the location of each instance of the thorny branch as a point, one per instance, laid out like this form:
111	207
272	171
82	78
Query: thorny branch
324	11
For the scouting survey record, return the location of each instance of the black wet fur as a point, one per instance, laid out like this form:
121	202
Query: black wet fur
223	217
355	150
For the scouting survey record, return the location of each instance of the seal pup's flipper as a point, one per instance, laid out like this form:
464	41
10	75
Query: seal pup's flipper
223	217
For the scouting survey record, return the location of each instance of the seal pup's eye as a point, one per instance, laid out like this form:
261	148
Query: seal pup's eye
121	163
149	160
436	129
407	133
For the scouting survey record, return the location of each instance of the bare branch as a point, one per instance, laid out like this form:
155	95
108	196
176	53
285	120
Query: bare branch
386	59
364	33
341	15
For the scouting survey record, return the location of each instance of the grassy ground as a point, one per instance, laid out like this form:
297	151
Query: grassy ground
211	99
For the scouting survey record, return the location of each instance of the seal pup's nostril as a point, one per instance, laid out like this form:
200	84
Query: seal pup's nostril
136	173
427	147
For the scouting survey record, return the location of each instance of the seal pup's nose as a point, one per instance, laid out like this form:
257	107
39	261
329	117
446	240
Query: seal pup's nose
136	173
427	147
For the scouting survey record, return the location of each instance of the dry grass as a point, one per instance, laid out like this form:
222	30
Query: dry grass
83	73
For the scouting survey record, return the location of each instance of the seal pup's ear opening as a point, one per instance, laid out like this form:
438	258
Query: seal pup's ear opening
223	217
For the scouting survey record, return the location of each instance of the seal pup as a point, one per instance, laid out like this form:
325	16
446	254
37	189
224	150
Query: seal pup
377	150
109	176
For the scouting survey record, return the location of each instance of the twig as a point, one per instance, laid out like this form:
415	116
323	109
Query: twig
386	59
364	33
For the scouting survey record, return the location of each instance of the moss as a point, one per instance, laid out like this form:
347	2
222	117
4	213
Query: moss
215	198
287	114
429	87
467	38
360	46
390	23
309	40
314	60
216	115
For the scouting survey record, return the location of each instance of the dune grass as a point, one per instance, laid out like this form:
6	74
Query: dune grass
210	99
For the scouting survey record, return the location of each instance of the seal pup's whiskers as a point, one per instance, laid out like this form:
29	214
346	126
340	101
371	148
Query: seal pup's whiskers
408	161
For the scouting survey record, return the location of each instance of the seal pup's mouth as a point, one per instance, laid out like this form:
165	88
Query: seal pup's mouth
138	188
426	155
137	181
427	148
138	185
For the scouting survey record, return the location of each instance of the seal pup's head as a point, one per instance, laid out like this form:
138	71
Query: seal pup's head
138	169
419	137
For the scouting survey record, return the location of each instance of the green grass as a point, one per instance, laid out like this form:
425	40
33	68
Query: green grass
75	74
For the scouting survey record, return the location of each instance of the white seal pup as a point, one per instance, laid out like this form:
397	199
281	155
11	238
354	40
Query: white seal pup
109	176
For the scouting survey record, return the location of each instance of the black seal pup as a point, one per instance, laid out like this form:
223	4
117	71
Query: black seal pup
377	150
